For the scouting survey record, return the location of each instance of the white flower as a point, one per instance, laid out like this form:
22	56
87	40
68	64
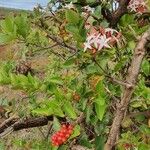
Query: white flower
103	42
112	31
87	45
69	6
98	41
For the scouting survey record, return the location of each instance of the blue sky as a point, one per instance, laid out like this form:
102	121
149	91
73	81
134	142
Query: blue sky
22	4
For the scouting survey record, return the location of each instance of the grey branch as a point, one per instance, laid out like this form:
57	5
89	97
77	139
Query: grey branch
133	72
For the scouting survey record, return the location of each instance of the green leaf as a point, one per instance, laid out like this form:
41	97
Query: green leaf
55	106
131	44
100	89
5	38
43	111
49	107
84	141
72	16
100	100
72	28
127	20
69	110
100	110
22	25
76	132
56	124
146	67
8	25
14	80
69	63
99	143
56	80
2	146
89	112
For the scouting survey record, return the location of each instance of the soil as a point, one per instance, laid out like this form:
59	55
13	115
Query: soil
38	63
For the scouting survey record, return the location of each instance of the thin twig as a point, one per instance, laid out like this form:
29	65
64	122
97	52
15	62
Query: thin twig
42	133
49	131
112	79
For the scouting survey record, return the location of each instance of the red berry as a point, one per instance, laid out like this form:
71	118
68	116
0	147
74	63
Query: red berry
69	131
59	138
64	131
62	135
54	137
67	135
64	126
64	139
70	127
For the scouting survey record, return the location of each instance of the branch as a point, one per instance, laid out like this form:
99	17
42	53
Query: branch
8	122
79	147
16	124
91	4
131	78
60	42
145	113
110	78
114	17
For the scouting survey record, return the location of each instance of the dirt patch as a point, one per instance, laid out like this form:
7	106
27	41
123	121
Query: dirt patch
6	52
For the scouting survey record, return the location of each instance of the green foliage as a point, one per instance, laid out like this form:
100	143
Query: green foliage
72	17
100	101
49	107
75	83
132	140
14	27
75	25
22	24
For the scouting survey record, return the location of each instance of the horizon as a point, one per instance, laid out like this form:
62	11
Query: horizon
23	4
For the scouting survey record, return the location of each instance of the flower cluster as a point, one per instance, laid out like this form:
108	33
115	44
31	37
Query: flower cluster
62	135
101	38
138	6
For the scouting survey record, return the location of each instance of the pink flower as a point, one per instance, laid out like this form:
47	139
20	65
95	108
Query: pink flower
100	38
138	6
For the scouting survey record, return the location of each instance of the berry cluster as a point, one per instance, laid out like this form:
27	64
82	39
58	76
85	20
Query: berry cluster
62	135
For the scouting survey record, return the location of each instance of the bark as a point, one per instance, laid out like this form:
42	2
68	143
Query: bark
131	79
114	17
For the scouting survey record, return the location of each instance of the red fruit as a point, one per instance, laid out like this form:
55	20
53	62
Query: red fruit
59	138
64	139
64	131
54	137
69	131
64	127
67	135
70	127
62	135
